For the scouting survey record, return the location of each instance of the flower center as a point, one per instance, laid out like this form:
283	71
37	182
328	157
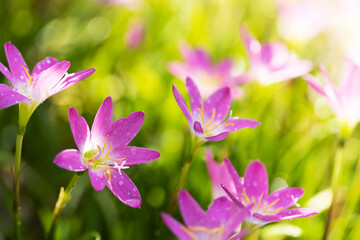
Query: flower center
257	205
97	159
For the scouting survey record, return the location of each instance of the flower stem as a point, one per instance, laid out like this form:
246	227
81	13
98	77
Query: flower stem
16	176
184	171
64	197
337	170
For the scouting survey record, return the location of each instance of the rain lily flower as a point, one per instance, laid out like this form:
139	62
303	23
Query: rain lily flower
253	190
206	119
47	78
343	100
103	151
272	62
219	222
134	35
219	176
207	75
293	25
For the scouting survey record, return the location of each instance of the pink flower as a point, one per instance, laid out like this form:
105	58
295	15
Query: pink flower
219	222
207	75
103	151
272	62
206	119
134	35
47	78
253	190
344	100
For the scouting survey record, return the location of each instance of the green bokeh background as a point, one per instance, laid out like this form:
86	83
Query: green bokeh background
296	141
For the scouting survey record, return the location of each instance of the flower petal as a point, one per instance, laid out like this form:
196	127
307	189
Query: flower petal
4	70
103	121
220	212
221	102
219	175
180	70
134	155
234	124
178	229
16	64
70	159
311	80
79	128
194	57
242	234
198	128
182	104
233	198
124	189
191	211
236	180
219	137
97	179
195	97
296	213
43	65
253	47
9	97
124	130
256	180
287	197
259	219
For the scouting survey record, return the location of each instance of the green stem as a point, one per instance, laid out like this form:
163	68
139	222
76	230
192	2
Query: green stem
184	171
335	183
64	197
17	166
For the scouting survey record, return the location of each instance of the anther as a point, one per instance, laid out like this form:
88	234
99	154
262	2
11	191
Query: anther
245	196
104	144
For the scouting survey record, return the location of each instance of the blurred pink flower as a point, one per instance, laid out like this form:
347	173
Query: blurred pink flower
47	78
343	100
219	176
135	35
253	190
301	20
207	75
206	119
103	151
219	222
272	62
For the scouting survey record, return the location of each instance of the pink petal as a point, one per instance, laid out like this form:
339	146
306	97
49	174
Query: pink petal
256	180
103	121
43	65
182	104
177	228
236	180
9	97
198	128
134	155
70	159
292	70
180	70
311	80
235	124
221	102
124	189
296	213
216	138
16	64
195	98
124	130
191	211
239	216
72	79
219	175
4	70
242	234
287	197
265	219
194	57
49	78
79	128
253	47
97	178
220	211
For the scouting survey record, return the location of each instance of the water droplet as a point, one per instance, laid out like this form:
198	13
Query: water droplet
6	70
134	189
121	183
47	60
133	202
128	193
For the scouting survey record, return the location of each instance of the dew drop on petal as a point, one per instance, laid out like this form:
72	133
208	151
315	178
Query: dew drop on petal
121	183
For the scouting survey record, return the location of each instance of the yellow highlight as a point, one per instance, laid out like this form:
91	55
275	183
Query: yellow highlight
212	118
201	112
191	234
108	171
27	73
107	154
275	211
267	207
218	230
103	148
116	159
246	197
258	205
